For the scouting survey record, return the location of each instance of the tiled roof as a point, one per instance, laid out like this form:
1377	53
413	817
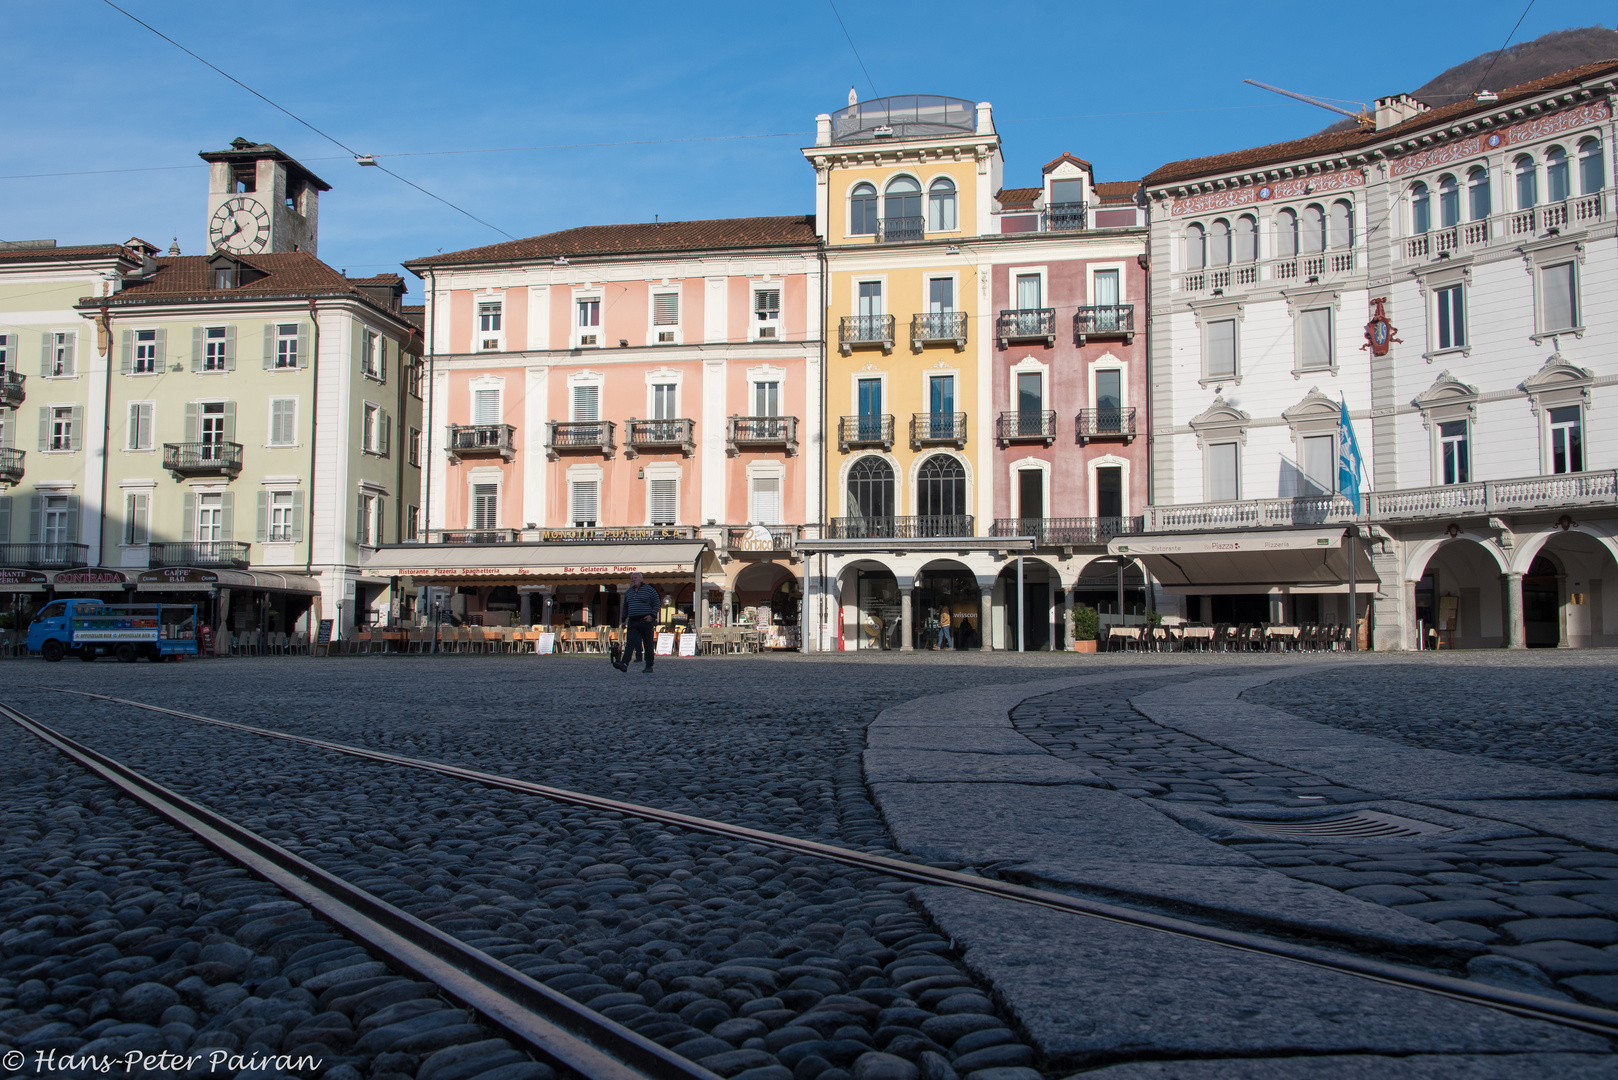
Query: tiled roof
1080	162
1117	192
63	254
1018	198
378	279
289	274
642	238
1341	142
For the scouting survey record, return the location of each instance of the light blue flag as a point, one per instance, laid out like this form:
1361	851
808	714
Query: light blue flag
1350	466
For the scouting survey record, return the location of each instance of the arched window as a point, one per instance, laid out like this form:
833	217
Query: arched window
862	210
1527	183
1219	243
1196	248
870	488
1449	202
903	199
1477	187
941	205
1592	171
1286	234
1421	209
1312	229
1557	186
1244	243
940	491
1340	224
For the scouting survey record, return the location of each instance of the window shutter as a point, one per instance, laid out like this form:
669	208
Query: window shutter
664	500
382	358
360	522
147	416
72	519
45	353
263	516
665	309
1314	326
303	345
139	533
387	434
44	429
192	427
126	353
269	346
227	517
5	519
378	536
767	500
587	403
69	348
196	348
230	421
230	348
485	406
188	518
162	356
134	426
583	498
1559	313
485	506
36	518
297	515
1222	349
78	428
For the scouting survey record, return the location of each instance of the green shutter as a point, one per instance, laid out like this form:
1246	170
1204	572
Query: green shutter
230	348
263	517
377	536
126	356
227	516
45	353
70	346
72	519
196	348
382	358
5	519
297	515
78	428
303	345
230	421
36	518
44	428
188	519
387	433
269	346
162	343
193	428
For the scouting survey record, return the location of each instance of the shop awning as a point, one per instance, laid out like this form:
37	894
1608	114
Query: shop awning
535	564
196	579
1262	558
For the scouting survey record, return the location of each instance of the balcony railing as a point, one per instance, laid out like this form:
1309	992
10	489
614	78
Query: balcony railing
46	556
1113	423
947	326
1066	215
479	440
659	435
1221	279
937	428
770	539
226	553
861	330
568	435
1030	425
11	388
865	431
898	230
750	431
1068	532
1505	229
1104	320
565	535
203	458
899	528
1026	324
10	465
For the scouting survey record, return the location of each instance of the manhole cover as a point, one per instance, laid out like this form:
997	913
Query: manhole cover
1360	823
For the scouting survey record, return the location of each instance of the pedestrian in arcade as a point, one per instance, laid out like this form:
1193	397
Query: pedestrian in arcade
944	639
640	606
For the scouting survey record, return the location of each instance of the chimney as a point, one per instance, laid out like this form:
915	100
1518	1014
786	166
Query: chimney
985	118
823	129
1395	110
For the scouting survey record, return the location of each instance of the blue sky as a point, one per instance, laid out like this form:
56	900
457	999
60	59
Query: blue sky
1127	87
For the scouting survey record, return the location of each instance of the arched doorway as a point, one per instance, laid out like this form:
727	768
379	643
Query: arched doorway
870	498
768	597
871	609
946	607
1459	599
1033	614
1579	566
941	496
1542	604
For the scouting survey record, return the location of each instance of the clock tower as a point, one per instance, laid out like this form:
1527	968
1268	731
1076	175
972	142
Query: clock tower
261	200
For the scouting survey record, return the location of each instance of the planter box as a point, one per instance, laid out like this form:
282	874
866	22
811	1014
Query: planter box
1084	646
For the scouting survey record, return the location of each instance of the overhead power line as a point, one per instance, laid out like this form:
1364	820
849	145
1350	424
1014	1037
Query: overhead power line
852	46
1502	51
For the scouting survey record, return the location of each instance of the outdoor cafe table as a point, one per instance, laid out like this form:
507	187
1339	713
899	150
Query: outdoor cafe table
1190	634
1280	637
1123	635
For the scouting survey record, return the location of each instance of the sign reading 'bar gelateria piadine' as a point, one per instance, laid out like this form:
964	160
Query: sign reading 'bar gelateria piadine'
1514	135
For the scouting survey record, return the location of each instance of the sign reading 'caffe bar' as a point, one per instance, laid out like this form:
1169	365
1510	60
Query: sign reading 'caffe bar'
179	575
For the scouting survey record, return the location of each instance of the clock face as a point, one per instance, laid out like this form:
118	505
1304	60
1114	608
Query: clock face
240	225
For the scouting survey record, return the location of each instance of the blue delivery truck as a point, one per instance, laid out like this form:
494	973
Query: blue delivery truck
88	629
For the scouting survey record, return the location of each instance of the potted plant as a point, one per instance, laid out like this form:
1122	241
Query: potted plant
1086	628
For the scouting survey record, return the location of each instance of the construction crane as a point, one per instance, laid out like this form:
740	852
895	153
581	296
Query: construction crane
1364	118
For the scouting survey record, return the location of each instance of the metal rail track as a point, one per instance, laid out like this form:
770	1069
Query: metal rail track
1597	1021
556	1028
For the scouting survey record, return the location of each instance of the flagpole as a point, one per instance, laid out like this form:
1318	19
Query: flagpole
1353	592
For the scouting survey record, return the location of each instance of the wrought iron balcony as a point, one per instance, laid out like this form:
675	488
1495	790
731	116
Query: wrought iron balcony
1068	532
900	528
761	539
227	553
752	431
1026	324
44	556
1070	215
11	391
481	440
1104	320
566	535
1028	425
935	326
938	428
203	458
567	435
1113	423
897	230
470	536
855	431
10	465
659	435
861	330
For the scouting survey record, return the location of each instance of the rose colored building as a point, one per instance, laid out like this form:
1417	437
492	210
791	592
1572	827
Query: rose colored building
621	396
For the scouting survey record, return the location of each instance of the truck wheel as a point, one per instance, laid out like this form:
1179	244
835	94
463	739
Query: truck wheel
88	653
52	650
126	653
155	655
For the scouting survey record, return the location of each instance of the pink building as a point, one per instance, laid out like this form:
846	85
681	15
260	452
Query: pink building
622	395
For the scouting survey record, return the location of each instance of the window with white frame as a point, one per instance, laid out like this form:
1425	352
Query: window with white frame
376	430
145	361
665	315
1449	305
1196	247
370	359
1479	201
1592	167
1558	181
1224	472
486	406
61	429
1421	209
489	333
215	351
764	500
1319	464
1567	438
1559	303
1221	352
1449	202
941	205
57	525
137	508
766	398
412	522
586	403
584	503
1527	183
284	421
1286	234
140	425
1314	339
862	213
281	526
60	346
485	507
767	311
664	404
588	320
367	522
210	518
663	500
1454	452
286	347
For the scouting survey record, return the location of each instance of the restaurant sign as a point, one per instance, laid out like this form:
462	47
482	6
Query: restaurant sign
595	570
91	578
12	578
179	575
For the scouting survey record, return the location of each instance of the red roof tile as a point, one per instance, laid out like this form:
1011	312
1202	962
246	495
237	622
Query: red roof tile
189	278
642	238
1117	192
60	254
1080	162
1341	142
1018	198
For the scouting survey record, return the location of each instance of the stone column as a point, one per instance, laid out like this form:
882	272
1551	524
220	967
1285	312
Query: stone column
730	598
1409	632
905	621
1516	632
986	617
1561	611
527	614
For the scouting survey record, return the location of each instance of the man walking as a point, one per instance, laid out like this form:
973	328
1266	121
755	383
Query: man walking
945	641
640	606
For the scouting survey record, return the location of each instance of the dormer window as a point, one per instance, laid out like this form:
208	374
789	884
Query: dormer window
224	277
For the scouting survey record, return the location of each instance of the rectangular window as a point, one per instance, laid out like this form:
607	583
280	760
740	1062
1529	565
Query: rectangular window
1029	292
5	353
766	399
941	296
283	421
281	518
58	513
1030	392
766	500
369	428
485	406
214	353
1320	464
210	518
587	403
1567	439
412	522
589	321
1031	494
136	507
1451	318
1454	452
665	501
364	525
666	309
370	363
1224	476
1109	400
485	507
870	298
1106	298
60	434
1110	492
1222	349
941	395
870	398
286	346
213	423
140	425
145	360
415	446
584	504
767	311
1314	339
488	326
59	350
1561	309
663	406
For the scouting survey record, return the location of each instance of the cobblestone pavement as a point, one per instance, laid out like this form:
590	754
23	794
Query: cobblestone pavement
1561	717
